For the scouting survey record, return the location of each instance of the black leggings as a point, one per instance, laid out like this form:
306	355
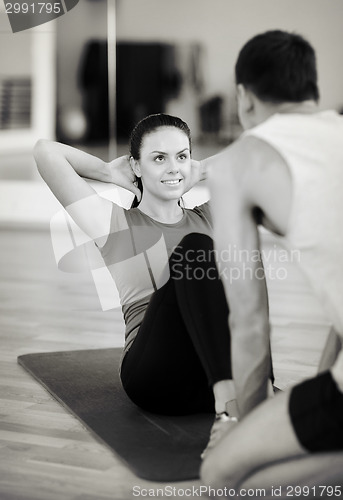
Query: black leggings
183	344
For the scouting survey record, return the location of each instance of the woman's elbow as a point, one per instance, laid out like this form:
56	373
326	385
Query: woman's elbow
41	151
41	146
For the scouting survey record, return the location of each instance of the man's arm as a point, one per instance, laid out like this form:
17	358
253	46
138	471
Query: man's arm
238	251
330	353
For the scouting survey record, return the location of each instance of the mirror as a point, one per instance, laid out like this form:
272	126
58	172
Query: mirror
27	85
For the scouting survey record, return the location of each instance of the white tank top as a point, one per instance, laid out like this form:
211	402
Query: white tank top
312	146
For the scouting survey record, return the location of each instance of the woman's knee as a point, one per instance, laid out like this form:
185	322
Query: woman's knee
194	250
196	241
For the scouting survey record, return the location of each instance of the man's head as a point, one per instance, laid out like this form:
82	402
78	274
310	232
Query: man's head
276	67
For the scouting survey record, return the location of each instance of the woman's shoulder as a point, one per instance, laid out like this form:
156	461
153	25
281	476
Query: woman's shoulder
202	211
135	216
118	222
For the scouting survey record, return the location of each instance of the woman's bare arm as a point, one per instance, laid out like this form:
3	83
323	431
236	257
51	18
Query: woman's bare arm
65	168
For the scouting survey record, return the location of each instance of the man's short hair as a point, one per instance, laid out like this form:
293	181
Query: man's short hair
278	66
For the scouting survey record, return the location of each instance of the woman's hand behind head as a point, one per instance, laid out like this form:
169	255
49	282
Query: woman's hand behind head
121	174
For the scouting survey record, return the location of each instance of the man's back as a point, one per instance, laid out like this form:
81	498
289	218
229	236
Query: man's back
311	147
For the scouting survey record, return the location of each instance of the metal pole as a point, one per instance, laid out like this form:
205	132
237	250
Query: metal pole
111	63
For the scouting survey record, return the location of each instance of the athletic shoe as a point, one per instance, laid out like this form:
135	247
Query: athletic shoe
219	428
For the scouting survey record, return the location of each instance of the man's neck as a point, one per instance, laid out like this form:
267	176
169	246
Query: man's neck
266	110
304	107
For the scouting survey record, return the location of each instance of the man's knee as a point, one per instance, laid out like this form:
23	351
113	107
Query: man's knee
214	473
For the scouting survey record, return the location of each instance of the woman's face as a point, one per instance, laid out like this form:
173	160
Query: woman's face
165	163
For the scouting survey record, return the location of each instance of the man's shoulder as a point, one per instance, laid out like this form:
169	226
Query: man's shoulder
254	175
249	156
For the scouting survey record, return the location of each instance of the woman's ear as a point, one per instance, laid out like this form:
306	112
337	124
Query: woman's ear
135	167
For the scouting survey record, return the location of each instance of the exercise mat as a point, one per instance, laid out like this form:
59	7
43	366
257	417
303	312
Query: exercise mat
154	447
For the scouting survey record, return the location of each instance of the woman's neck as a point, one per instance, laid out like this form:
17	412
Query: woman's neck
168	212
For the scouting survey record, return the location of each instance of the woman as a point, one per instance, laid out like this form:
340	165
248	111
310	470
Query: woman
176	357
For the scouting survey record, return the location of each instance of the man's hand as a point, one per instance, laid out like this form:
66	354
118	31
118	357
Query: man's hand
121	174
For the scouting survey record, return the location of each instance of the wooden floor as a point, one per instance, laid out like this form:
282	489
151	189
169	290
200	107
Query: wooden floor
45	452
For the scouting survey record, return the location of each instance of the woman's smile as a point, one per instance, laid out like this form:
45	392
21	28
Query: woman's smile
172	182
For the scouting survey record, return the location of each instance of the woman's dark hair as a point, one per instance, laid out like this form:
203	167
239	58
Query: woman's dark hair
146	126
278	66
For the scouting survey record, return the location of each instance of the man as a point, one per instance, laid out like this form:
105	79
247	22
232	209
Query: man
286	172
